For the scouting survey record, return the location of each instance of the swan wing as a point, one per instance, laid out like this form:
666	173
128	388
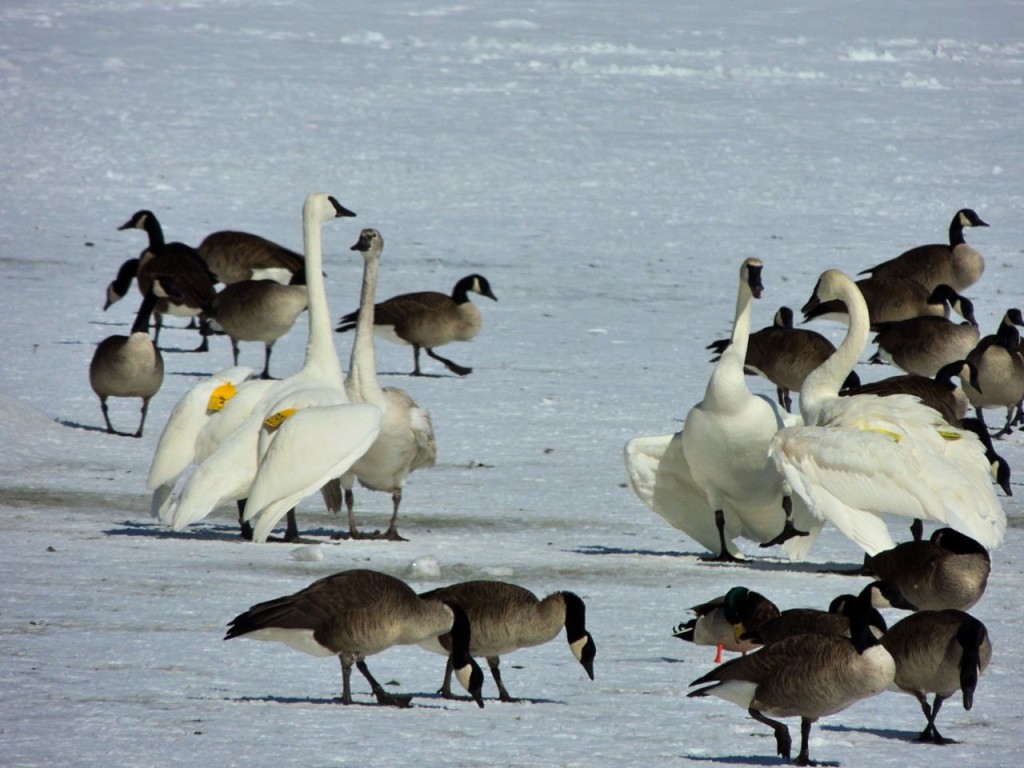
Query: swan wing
311	447
660	476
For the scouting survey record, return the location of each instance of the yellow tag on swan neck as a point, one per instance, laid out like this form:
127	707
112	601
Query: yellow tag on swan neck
220	396
950	435
279	418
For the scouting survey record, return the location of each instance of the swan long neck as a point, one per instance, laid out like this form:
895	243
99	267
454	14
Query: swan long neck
727	380
361	382
824	382
320	352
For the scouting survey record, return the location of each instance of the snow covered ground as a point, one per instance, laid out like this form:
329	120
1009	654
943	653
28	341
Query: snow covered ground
607	166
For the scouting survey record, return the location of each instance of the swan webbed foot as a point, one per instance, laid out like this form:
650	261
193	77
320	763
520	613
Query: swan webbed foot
789	531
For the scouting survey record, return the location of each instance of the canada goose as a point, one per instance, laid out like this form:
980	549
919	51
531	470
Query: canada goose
1000	467
721	622
858	457
950	570
228	472
807	675
938	652
834	621
1000	365
234	257
128	366
406	441
783	354
176	448
428	319
356	614
957	264
122	283
726	435
257	310
181	263
941	393
506	617
890	300
922	345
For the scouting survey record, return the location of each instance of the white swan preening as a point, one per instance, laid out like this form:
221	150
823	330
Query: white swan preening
358	613
406	441
714	480
857	458
229	472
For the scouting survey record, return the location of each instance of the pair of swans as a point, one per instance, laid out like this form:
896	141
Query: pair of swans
851	459
379	433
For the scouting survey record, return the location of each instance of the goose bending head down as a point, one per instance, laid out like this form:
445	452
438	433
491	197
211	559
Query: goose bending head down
356	614
856	458
725	440
506	617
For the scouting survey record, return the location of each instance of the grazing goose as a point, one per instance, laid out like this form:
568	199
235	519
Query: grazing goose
834	621
938	652
721	622
356	614
1000	467
258	310
428	319
941	393
957	264
162	261
891	300
859	457
726	435
234	257
406	440
506	617
128	366
228	472
1000	365
176	448
808	675
922	345
949	570
122	283
783	354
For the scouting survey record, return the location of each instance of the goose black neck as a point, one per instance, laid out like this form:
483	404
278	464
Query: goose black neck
141	324
575	616
956	231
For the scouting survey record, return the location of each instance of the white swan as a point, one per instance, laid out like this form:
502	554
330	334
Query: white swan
322	440
858	457
176	449
228	472
406	440
714	480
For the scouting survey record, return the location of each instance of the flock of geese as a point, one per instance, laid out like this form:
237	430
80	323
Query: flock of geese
742	466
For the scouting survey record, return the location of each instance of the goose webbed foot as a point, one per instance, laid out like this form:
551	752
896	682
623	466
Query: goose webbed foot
392	534
401	700
931	736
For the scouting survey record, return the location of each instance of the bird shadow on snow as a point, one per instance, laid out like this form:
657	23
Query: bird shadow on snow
883	733
83	427
748	564
214	532
419	701
743	760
